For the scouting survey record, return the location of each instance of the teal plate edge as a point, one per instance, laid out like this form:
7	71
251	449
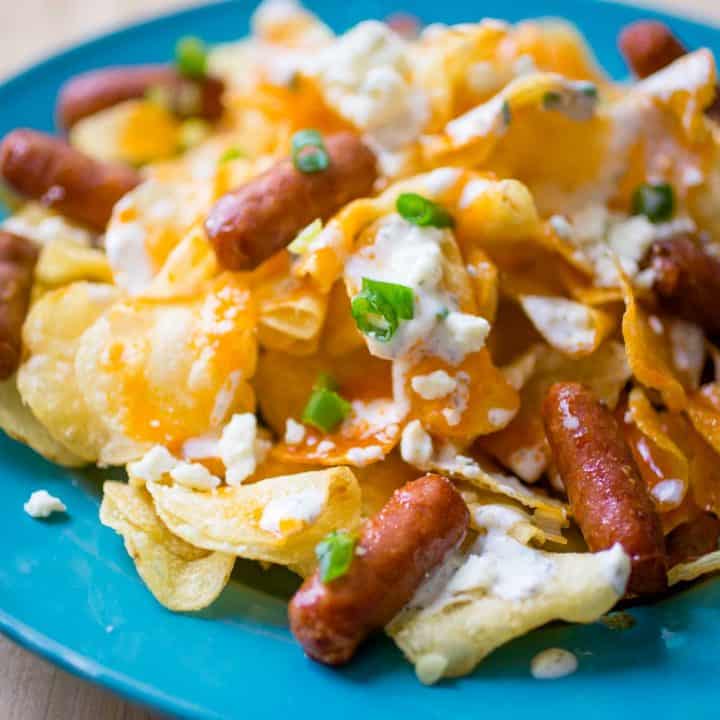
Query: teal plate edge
69	592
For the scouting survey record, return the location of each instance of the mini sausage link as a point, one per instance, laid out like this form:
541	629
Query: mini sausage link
18	257
252	223
687	281
608	499
648	46
44	168
693	539
405	541
98	90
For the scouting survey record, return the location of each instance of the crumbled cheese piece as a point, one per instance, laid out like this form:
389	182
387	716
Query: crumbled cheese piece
483	79
294	432
500	417
201	447
656	324
361	456
325	447
529	463
304	507
434	385
194	476
156	462
669	492
41	504
240	448
416	447
561	227
466	333
365	76
553	663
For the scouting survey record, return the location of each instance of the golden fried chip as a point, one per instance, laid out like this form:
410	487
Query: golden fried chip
686	572
501	590
278	520
18	421
570	327
63	262
163	371
133	132
47	380
181	577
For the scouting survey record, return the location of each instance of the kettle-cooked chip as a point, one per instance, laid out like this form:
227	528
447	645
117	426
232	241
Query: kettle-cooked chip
180	576
18	421
163	371
499	591
47	380
278	520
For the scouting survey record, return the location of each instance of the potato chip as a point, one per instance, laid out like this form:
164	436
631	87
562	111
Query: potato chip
569	327
18	421
181	577
663	465
648	350
62	262
291	311
485	281
479	471
687	572
501	590
187	270
47	380
134	132
161	372
704	413
36	222
147	224
379	481
278	520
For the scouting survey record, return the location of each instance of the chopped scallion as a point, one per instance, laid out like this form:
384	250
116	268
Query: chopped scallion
423	212
335	554
380	307
654	200
325	409
309	154
233	153
191	57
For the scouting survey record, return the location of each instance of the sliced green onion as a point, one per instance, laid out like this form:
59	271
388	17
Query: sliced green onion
335	554
191	57
507	113
325	409
302	240
233	153
423	212
551	100
380	307
654	200
308	151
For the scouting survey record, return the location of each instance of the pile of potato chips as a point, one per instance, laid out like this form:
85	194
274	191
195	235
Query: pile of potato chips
535	154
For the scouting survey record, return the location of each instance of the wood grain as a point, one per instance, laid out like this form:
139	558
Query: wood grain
30	688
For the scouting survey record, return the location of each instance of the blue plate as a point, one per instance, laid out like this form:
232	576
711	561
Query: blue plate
69	591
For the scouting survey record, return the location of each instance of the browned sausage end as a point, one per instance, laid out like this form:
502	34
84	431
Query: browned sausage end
405	541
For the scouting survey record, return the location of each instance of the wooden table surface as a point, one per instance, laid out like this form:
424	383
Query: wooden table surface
30	688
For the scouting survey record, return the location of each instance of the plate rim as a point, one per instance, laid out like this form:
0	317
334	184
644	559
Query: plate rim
80	665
